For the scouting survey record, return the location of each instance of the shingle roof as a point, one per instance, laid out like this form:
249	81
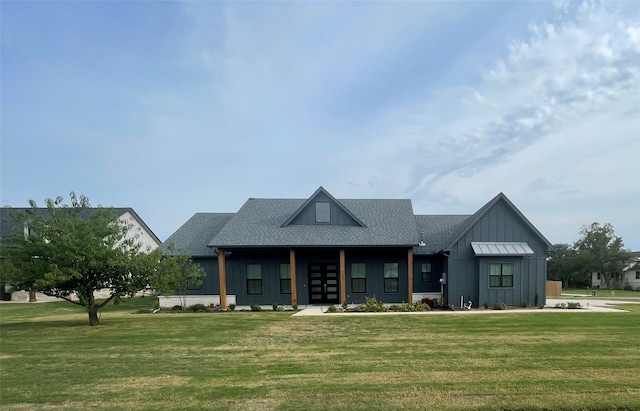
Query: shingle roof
483	210
438	230
7	223
259	224
194	235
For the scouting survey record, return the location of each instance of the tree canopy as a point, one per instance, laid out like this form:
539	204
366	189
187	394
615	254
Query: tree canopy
71	251
603	251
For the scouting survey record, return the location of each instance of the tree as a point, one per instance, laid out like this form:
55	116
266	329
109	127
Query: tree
567	266
177	273
71	251
602	251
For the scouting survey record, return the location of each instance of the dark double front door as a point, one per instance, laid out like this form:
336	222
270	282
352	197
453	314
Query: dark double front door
323	283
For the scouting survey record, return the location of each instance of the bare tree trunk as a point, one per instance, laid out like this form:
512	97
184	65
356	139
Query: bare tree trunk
32	296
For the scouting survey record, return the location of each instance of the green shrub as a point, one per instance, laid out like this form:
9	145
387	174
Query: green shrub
280	308
232	307
256	307
525	304
295	307
196	308
574	305
500	306
486	305
373	305
274	306
332	309
176	308
628	288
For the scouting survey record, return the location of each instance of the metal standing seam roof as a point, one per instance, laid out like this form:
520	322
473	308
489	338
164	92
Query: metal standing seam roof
501	248
259	224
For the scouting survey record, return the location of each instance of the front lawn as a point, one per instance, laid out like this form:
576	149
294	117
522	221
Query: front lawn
51	359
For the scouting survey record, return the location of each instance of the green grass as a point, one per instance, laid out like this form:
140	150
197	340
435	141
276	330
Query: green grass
551	359
601	292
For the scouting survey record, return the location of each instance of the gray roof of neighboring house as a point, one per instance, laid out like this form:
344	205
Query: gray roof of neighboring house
194	235
438	230
7	223
259	224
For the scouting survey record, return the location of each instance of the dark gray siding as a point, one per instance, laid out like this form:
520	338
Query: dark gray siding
468	276
270	260
438	266
375	260
307	216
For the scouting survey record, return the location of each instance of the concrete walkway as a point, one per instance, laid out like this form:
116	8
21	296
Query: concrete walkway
588	305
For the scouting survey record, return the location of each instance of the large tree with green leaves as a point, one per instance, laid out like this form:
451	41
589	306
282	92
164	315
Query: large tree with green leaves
566	265
602	251
71	251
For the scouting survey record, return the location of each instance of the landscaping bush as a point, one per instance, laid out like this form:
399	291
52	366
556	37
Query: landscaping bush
176	308
332	309
373	305
500	306
232	307
295	307
574	305
628	288
274	306
525	304
429	302
196	308
256	307
486	305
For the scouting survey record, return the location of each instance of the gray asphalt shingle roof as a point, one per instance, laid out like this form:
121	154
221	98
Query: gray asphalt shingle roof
7	222
258	224
438	230
194	235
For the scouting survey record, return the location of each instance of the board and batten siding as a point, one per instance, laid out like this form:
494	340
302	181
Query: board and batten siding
307	216
468	275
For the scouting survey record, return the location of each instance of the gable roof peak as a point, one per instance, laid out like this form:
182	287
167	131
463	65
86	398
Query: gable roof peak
316	194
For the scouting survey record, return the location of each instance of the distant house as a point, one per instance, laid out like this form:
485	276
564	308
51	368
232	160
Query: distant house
628	278
322	250
145	236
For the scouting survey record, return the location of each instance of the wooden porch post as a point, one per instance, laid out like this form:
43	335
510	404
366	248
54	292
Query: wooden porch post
410	274
292	268
343	282
222	271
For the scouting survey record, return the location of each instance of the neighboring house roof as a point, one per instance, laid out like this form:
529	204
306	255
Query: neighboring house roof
7	223
482	211
436	230
193	236
259	223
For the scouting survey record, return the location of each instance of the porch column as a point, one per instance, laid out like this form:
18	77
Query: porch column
343	282
292	268
222	271
410	274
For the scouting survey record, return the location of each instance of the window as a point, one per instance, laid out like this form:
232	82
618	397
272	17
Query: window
358	278
323	212
501	275
390	277
637	275
285	279
254	279
598	276
426	272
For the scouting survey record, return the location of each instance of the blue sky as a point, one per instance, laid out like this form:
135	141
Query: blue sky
174	108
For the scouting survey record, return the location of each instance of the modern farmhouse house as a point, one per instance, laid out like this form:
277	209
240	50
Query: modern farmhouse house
323	250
